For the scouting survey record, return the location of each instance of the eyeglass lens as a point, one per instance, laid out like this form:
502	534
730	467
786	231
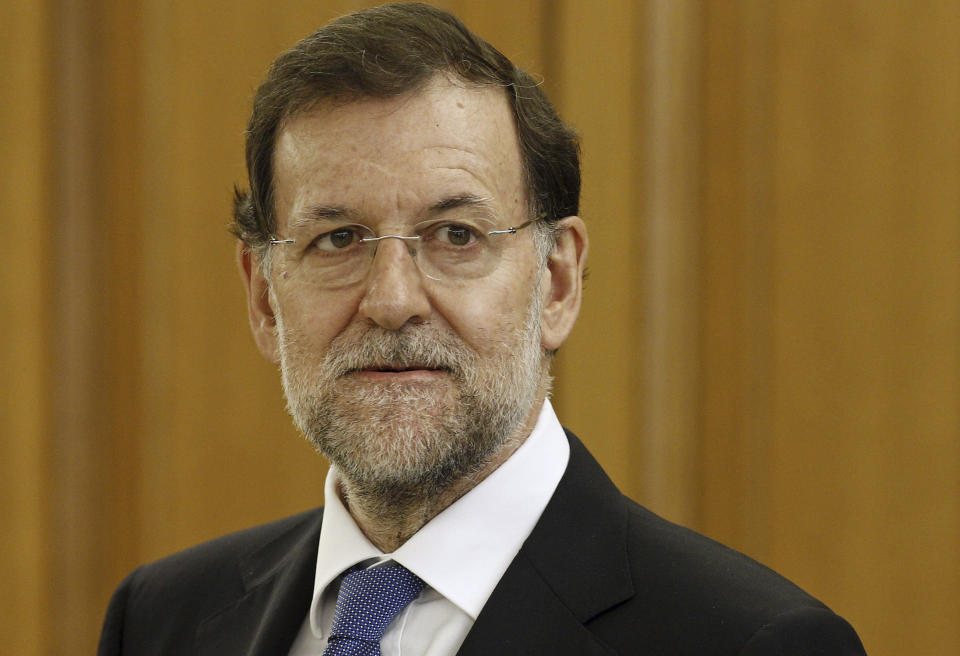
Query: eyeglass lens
446	251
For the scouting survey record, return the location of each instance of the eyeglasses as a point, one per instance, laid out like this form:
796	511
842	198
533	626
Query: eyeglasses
444	250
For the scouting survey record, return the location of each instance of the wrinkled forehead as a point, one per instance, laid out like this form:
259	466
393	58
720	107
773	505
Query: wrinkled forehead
435	96
445	138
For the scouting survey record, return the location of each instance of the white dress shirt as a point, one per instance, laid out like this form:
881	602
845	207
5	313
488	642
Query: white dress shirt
460	554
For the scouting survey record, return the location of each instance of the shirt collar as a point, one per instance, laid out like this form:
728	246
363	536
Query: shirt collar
463	551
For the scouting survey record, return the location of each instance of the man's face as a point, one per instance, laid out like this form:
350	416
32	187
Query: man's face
402	380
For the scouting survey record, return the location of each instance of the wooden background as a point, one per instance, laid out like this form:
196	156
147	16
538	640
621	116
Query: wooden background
769	349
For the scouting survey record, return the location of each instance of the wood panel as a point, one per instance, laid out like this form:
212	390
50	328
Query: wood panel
671	261
94	397
25	316
736	283
831	320
865	448
216	441
596	389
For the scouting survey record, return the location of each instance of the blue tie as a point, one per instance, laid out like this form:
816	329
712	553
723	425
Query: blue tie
369	599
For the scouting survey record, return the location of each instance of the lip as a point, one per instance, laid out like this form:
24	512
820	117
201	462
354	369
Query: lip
405	375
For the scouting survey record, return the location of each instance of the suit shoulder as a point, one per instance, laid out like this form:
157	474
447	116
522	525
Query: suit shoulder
207	572
701	591
696	561
158	608
231	548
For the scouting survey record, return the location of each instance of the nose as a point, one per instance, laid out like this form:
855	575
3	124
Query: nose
394	292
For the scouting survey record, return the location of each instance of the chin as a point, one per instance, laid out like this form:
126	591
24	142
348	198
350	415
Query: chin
404	438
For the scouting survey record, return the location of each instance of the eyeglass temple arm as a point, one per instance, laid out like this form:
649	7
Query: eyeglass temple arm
512	230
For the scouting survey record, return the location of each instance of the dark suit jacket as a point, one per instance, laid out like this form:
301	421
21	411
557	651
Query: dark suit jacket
599	574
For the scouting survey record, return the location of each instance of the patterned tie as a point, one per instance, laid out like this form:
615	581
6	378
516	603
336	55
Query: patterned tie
368	601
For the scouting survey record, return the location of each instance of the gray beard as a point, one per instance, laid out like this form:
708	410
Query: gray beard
402	443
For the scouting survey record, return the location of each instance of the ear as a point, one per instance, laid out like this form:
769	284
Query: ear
263	322
563	282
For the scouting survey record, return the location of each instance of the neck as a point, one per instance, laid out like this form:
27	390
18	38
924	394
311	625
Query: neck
389	516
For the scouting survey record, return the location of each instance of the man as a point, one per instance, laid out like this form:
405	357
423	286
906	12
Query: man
412	257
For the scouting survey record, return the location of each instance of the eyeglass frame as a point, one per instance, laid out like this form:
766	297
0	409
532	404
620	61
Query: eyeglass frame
512	230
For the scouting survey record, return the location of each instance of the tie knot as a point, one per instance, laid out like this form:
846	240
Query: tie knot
369	600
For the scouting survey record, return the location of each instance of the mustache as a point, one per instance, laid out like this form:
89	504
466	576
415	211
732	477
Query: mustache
412	347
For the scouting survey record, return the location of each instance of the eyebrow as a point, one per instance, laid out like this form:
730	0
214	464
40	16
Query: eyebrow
319	214
460	200
322	213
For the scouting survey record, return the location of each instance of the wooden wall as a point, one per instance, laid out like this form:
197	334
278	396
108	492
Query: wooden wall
769	349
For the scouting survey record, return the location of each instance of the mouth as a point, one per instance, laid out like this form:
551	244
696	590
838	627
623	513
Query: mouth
398	372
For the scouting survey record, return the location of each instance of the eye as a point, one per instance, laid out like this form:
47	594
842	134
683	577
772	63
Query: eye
455	234
338	239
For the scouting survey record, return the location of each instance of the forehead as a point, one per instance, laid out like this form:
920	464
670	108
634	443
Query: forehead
391	158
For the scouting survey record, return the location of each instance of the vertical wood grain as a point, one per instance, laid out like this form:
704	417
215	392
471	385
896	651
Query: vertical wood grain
25	375
671	398
94	480
865	454
831	320
597	387
219	451
738	217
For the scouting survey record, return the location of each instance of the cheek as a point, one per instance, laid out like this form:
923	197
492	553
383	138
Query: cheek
484	315
316	318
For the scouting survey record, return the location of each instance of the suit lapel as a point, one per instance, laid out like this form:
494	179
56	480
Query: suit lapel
278	582
525	616
572	568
